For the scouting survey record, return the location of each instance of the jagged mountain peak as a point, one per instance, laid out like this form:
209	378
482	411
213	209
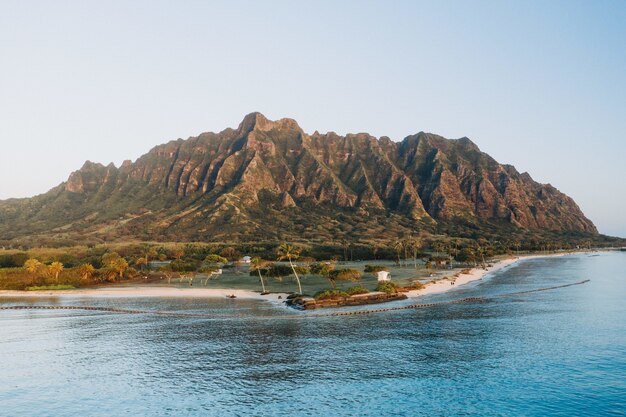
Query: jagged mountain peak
257	121
220	186
88	165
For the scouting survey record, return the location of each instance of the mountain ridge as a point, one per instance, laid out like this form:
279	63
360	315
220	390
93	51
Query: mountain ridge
232	184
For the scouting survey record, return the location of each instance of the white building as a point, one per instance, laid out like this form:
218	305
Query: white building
246	259
383	276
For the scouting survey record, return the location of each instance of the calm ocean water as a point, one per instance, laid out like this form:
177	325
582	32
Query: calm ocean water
553	353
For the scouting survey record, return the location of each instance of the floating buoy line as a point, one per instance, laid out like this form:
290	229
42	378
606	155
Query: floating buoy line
291	316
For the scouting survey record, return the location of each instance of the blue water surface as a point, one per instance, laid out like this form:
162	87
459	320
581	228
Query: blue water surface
552	353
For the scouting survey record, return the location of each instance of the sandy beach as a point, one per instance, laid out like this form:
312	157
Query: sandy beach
452	281
147	291
440	285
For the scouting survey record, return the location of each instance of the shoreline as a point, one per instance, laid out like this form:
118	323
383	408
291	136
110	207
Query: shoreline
454	281
440	285
140	291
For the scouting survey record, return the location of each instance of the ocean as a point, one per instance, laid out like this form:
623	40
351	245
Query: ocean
551	353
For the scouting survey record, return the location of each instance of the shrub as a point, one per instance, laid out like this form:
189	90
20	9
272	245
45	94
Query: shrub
277	270
374	268
280	270
356	290
322	268
230	253
215	259
51	287
413	286
14	260
417	286
388	287
302	270
179	265
345	274
68	260
131	273
330	295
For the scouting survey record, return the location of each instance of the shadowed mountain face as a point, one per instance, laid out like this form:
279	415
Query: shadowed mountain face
270	180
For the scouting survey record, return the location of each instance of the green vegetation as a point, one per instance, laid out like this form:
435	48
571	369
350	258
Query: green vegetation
330	295
101	209
179	265
291	253
322	268
374	268
387	286
81	266
275	270
256	264
55	269
356	290
13	260
43	276
334	294
344	274
86	271
51	287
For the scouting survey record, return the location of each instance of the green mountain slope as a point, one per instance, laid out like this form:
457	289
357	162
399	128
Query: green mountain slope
268	180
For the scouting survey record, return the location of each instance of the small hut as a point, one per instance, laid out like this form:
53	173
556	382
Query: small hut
383	276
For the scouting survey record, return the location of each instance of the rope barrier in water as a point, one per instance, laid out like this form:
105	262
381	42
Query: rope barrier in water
292	316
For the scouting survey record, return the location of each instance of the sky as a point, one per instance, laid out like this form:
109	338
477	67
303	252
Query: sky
540	85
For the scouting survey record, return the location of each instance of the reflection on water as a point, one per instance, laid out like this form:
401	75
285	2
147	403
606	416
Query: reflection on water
554	353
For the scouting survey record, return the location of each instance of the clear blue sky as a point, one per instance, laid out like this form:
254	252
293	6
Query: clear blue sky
538	84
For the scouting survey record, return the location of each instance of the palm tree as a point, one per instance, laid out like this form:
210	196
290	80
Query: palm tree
415	244
453	249
148	253
437	247
120	265
257	263
32	265
375	249
398	246
481	250
406	245
289	252
345	244
86	271
109	258
55	269
110	274
141	261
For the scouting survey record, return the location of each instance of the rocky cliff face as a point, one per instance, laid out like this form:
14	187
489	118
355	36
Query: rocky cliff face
269	179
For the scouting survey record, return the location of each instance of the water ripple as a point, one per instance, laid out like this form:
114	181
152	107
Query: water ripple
560	353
